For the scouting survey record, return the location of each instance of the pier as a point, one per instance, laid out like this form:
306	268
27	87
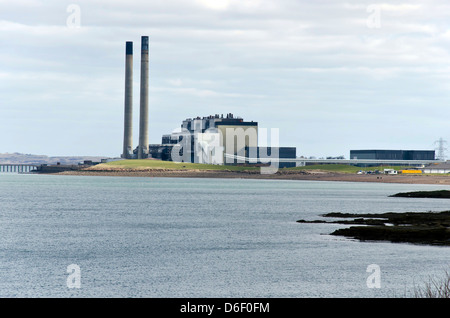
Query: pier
19	168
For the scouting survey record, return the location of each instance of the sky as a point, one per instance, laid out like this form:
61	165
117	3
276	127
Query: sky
330	75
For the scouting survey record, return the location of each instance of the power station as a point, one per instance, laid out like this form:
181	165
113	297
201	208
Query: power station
208	140
219	139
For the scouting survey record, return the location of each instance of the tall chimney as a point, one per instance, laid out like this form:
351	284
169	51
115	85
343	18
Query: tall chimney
143	119
128	122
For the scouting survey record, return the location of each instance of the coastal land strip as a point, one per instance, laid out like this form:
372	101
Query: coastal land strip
281	174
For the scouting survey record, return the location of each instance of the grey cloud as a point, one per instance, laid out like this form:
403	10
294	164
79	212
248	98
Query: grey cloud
312	68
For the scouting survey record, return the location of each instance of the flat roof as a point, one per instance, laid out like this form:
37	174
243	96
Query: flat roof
443	165
390	150
241	123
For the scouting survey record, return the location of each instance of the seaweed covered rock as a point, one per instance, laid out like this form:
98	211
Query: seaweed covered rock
438	194
412	227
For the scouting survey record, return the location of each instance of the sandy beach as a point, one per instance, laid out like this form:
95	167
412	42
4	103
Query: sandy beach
280	175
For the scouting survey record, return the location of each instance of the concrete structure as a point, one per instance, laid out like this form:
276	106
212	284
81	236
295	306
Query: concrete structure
377	154
443	167
143	149
128	111
236	138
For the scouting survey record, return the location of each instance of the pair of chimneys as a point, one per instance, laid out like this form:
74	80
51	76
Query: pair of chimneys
143	114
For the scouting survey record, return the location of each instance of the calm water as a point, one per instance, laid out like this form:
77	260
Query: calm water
162	237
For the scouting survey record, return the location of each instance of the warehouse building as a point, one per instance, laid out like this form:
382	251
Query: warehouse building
393	154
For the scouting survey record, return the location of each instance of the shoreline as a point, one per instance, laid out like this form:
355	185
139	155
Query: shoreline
280	175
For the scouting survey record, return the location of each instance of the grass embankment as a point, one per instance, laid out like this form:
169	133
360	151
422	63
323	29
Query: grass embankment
146	164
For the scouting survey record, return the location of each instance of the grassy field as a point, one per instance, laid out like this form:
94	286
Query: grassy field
157	164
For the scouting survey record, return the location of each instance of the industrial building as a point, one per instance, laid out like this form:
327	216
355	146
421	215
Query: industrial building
213	139
393	154
198	134
218	139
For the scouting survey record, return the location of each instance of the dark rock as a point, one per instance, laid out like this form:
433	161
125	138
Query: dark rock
439	194
414	227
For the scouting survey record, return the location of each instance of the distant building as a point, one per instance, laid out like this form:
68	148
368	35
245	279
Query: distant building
393	154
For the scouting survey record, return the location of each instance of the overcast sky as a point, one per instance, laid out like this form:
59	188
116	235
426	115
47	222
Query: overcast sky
330	75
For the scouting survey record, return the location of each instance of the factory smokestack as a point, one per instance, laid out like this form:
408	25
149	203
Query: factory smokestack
128	122
143	119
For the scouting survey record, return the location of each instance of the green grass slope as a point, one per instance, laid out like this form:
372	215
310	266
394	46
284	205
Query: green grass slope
170	165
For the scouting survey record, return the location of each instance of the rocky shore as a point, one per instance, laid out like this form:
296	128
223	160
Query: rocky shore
431	228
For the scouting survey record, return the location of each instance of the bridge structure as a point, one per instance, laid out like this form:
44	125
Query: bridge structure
19	167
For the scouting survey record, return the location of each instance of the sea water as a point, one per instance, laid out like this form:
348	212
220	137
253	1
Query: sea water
83	236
